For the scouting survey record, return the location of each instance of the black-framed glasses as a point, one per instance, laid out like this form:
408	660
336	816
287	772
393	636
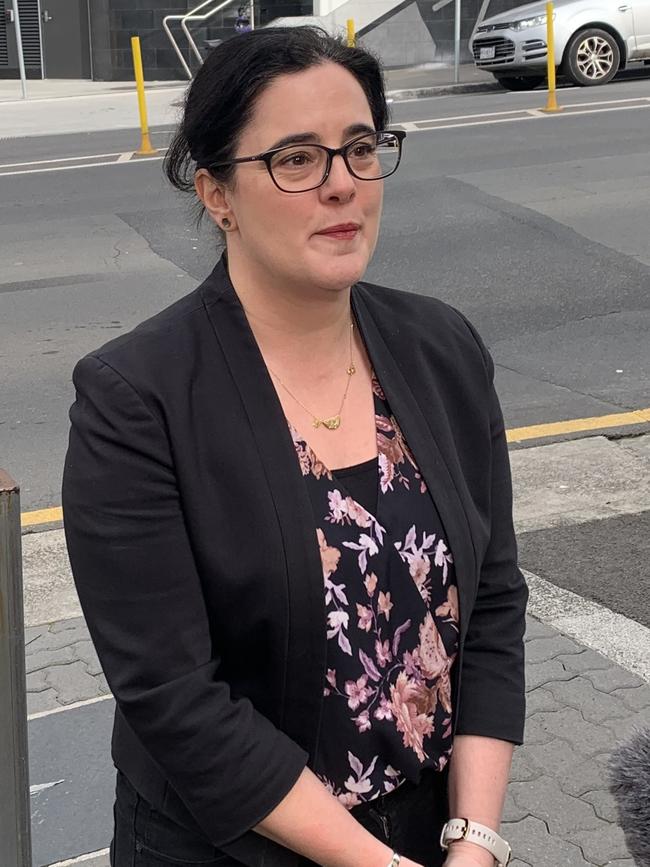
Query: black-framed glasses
298	168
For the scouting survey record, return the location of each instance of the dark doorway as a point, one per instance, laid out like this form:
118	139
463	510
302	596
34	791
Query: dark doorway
66	44
30	30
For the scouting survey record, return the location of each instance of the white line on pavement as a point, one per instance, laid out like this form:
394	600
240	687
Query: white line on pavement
72	706
40	787
83	166
80	858
624	641
49	160
112	95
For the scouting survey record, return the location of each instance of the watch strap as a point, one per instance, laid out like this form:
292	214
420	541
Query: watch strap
474	832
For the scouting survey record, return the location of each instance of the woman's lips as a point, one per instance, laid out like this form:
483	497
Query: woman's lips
341	232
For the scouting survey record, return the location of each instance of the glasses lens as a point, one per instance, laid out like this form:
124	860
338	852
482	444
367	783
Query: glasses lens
374	156
299	167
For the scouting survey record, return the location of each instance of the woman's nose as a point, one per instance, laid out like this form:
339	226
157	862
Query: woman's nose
339	184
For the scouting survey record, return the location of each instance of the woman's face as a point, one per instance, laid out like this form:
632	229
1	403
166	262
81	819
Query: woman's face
280	234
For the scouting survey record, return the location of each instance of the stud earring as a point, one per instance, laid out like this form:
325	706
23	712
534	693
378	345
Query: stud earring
225	223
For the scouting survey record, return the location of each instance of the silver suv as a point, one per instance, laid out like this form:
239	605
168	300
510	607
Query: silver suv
593	40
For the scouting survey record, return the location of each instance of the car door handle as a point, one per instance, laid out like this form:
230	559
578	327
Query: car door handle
623	8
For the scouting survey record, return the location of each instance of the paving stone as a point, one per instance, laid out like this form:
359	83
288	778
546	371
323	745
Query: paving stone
595	706
69	624
541	673
600	845
569	725
603	803
33	632
532	843
73	683
85	651
616	677
52	640
542	649
588	660
622	729
512	812
522	769
544	799
637	699
103	684
574	772
541	699
36	682
536	629
40	701
537	730
48	658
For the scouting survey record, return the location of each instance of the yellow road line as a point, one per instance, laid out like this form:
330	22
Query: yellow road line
42	516
576	425
513	435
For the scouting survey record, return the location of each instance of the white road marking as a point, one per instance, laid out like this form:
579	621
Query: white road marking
124	158
48	160
111	95
72	706
89	856
34	790
83	166
624	641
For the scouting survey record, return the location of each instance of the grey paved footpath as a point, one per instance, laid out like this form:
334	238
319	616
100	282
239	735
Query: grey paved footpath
558	811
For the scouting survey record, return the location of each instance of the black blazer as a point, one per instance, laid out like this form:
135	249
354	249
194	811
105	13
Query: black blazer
194	550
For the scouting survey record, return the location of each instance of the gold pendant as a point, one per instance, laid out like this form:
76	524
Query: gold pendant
351	370
330	423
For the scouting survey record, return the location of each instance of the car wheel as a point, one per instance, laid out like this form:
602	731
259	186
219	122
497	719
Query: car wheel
520	82
593	57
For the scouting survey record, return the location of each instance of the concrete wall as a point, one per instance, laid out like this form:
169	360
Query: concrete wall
419	31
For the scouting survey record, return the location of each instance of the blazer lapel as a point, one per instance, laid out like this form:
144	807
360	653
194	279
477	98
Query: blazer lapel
307	641
423	440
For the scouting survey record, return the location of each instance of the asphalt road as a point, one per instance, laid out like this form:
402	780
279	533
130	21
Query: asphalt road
534	226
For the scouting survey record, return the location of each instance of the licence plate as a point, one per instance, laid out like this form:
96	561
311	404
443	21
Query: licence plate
488	53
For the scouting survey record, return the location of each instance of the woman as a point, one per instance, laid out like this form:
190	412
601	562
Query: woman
288	510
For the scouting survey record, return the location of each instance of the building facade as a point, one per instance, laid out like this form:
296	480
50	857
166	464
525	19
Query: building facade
91	38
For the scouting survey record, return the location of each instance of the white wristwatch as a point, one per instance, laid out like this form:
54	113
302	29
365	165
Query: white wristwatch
465	829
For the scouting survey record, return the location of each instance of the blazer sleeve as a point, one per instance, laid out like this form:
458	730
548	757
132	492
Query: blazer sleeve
141	595
492	688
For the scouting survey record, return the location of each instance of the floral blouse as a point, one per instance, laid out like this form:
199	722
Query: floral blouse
392	623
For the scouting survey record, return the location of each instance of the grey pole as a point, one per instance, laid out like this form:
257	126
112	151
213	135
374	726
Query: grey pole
457	17
19	46
15	829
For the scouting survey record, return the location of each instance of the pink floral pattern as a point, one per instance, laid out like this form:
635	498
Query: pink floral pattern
392	623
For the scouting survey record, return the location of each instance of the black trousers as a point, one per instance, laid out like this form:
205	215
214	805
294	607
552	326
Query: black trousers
408	820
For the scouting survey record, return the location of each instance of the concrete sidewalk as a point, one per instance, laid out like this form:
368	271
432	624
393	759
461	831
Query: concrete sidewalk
61	106
588	668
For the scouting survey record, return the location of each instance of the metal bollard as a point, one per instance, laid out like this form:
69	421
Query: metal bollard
15	821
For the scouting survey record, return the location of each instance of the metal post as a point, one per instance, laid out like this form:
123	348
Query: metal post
457	19
15	828
146	148
252	15
352	36
551	100
19	46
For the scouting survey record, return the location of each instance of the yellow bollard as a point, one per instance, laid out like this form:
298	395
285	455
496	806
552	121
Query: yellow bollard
146	148
352	39
551	102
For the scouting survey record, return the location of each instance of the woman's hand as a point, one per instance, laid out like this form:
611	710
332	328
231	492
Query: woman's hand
462	854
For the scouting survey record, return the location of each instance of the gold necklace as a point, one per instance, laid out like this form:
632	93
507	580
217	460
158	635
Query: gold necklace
334	422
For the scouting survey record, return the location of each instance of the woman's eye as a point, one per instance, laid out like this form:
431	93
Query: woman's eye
363	150
296	159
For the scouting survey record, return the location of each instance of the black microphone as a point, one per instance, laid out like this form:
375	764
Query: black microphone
629	768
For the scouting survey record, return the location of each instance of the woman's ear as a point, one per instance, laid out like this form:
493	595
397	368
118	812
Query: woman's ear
214	196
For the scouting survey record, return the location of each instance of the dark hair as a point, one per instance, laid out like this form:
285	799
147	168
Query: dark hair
222	97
